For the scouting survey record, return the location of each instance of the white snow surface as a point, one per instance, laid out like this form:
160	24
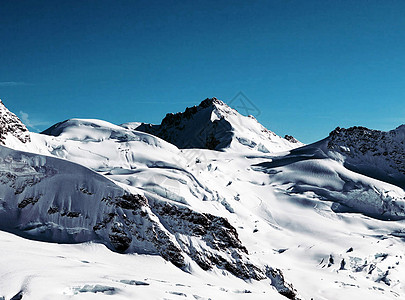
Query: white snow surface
39	270
334	233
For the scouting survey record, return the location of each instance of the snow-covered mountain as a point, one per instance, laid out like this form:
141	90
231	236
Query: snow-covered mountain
375	153
214	125
320	221
340	169
55	200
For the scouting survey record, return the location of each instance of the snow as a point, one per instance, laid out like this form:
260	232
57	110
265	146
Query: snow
335	231
131	125
90	271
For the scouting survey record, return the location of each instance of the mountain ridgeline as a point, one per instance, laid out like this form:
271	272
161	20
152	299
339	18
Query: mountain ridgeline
375	153
214	125
210	190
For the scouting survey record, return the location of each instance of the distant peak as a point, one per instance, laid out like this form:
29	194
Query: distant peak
176	118
214	125
354	129
211	101
362	131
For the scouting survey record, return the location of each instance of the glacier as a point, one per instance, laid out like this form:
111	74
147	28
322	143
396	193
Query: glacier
207	205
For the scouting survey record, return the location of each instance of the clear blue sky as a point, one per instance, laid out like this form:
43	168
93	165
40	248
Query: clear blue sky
308	66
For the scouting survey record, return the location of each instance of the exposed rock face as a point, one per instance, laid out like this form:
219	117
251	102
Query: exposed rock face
349	192
278	281
90	207
291	139
380	154
214	125
10	124
219	243
51	199
195	127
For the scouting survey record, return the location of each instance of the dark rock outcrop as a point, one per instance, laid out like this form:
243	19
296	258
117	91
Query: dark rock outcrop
194	128
278	281
10	124
291	139
375	153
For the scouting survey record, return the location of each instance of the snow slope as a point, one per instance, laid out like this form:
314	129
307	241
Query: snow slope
103	146
38	270
320	216
55	200
303	233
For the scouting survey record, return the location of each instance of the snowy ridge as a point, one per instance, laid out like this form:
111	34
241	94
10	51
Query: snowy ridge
103	146
55	200
214	125
322	221
311	169
375	153
358	169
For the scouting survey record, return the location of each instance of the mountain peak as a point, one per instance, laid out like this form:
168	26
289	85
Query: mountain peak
11	127
190	112
366	149
211	101
216	126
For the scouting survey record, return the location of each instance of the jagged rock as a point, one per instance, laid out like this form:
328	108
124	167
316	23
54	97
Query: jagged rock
53	210
11	125
18	296
55	200
278	281
214	125
70	214
29	200
216	233
120	239
130	201
124	221
365	149
291	139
